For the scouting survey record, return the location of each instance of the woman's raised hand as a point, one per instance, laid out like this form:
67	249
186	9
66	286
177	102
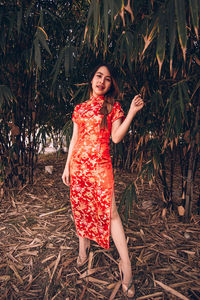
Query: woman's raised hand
137	103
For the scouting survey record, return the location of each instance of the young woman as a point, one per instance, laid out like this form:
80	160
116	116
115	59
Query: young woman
89	170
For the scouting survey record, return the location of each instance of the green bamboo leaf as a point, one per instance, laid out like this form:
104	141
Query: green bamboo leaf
42	136
134	195
69	54
185	90
181	25
156	157
157	101
129	49
136	50
56	68
111	4
129	195
37	52
12	25
41	19
146	169
150	172
106	9
67	60
118	44
91	10
54	17
19	20
172	31
5	95
82	90
150	33
194	10
42	37
85	93
186	97
196	88
115	7
161	41
122	38
96	20
171	109
1	98
58	95
88	27
67	131
181	100
28	10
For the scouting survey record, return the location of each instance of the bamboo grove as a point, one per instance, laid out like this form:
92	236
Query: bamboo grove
47	51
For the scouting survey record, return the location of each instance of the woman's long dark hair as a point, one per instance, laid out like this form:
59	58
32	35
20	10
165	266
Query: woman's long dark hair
108	97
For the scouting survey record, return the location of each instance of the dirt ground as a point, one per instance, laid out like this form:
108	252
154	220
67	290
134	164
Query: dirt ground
39	246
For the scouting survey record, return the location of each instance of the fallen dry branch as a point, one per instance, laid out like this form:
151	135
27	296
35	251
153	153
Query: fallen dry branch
172	291
115	290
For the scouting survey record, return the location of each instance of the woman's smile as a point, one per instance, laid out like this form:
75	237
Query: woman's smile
100	87
101	82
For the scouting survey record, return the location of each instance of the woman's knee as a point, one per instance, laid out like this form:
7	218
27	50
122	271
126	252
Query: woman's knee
114	213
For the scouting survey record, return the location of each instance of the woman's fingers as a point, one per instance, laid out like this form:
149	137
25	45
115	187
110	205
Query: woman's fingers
65	179
138	101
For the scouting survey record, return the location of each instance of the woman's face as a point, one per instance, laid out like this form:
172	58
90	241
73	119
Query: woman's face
101	82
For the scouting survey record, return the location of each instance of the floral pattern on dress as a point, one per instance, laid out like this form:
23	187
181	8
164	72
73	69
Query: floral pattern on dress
91	171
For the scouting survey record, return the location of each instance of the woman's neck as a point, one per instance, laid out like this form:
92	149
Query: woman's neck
97	96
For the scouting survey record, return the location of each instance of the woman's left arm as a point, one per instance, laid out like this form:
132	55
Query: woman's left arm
119	129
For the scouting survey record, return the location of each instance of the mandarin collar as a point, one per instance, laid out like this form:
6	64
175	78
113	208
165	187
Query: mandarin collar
98	98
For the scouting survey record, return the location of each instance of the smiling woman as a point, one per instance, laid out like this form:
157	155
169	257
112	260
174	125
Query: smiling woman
89	169
102	82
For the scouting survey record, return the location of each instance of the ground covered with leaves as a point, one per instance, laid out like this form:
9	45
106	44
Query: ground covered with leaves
39	246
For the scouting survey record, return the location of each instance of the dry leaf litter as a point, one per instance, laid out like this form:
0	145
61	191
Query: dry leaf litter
39	245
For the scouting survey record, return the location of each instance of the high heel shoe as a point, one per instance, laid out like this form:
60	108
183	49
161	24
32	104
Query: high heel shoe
128	289
81	260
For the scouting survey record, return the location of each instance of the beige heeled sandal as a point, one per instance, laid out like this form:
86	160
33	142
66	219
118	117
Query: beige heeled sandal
81	261
128	289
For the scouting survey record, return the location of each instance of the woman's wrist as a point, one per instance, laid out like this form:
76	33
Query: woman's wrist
67	165
132	113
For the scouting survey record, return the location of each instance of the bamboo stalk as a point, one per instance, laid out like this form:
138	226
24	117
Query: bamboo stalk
189	180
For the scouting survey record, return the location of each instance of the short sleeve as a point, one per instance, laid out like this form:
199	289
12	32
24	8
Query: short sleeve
117	112
75	114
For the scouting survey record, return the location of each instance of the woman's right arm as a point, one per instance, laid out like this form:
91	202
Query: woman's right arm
66	174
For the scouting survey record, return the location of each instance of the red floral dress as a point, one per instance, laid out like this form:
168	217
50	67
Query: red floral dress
91	172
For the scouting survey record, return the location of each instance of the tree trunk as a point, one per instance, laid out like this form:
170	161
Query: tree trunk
191	170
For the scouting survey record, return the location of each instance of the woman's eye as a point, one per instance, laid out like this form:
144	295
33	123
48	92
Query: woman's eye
108	79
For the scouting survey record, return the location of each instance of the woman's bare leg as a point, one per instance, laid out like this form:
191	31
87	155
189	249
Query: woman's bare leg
118	236
84	243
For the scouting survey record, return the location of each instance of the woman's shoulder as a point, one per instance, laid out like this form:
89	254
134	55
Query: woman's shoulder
117	104
78	110
82	104
117	111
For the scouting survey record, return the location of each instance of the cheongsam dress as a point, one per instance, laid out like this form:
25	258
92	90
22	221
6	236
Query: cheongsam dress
91	173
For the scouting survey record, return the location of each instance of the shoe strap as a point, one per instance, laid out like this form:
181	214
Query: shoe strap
129	287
